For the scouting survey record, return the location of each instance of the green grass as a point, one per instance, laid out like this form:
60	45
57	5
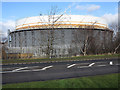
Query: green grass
100	81
62	59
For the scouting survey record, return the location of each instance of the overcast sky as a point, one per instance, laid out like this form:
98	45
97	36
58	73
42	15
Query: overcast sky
12	11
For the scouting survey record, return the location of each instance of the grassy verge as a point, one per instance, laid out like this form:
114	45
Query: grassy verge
62	59
100	81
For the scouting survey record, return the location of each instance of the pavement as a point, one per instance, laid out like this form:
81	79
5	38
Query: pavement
18	73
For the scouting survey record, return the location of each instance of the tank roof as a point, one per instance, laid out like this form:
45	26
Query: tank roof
59	21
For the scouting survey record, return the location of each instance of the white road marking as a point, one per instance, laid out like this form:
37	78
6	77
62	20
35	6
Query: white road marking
14	71
83	66
91	64
19	69
46	67
101	65
111	63
37	70
71	65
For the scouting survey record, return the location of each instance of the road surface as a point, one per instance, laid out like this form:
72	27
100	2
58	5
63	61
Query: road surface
57	70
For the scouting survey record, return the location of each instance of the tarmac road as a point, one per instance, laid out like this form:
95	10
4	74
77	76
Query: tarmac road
57	70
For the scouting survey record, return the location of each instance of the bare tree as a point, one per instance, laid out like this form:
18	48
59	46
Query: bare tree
53	22
50	36
116	38
84	42
117	43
